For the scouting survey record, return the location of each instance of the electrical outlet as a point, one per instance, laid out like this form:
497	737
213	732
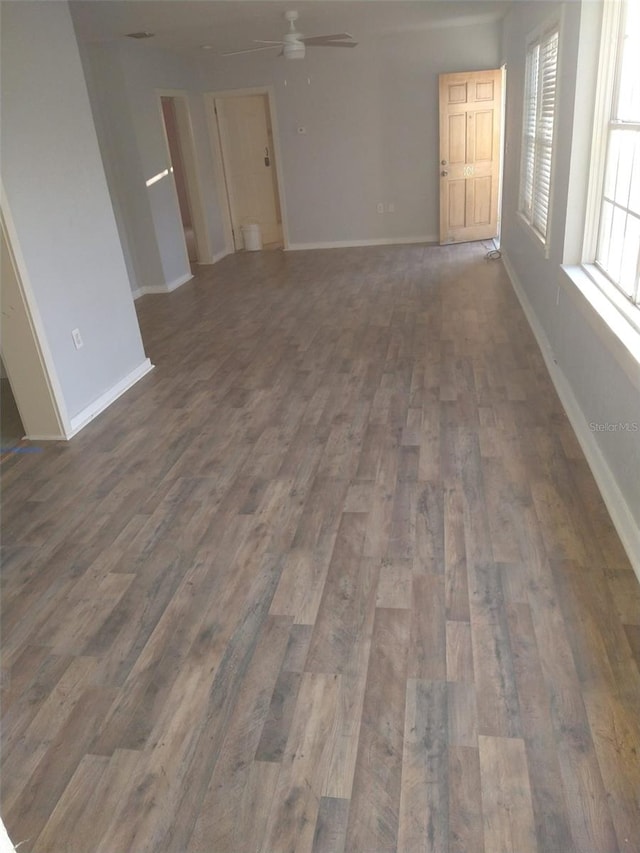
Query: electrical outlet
77	338
391	208
380	207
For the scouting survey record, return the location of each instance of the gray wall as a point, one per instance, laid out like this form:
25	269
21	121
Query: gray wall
604	379
371	116
123	82
123	165
57	194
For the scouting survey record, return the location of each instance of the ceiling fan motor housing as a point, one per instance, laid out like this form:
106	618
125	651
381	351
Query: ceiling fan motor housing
293	48
293	44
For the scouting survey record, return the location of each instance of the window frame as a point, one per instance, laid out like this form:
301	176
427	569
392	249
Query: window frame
609	63
537	37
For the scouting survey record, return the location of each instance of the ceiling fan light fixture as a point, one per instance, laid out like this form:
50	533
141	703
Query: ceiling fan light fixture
294	50
293	45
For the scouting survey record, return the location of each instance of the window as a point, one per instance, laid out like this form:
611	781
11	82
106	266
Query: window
617	252
537	142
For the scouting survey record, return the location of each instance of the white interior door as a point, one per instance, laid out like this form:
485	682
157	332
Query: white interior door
247	152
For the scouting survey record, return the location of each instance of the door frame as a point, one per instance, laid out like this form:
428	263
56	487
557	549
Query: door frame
191	168
503	133
218	161
54	401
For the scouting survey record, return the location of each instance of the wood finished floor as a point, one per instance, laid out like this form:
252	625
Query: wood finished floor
335	576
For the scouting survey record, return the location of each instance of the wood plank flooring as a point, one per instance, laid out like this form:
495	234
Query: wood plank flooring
335	576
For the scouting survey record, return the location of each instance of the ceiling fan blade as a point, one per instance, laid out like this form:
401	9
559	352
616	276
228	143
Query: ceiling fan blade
318	39
332	44
251	50
266	41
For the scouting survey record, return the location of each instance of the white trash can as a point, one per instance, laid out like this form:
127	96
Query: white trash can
252	238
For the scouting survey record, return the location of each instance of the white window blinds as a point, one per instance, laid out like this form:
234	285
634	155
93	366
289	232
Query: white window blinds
537	143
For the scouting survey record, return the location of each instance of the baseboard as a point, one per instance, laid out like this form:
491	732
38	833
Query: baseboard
143	291
109	397
162	288
60	437
218	256
623	520
178	282
352	244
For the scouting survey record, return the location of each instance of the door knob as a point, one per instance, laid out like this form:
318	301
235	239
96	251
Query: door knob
444	174
443	162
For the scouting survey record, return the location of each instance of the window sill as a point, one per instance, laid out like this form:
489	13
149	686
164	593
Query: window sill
628	310
619	317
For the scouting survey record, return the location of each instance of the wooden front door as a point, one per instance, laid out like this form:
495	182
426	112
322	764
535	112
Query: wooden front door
470	121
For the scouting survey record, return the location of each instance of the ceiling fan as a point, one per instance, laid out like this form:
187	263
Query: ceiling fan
293	44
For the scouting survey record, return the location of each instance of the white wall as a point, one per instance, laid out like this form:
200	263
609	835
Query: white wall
123	82
371	116
58	198
599	378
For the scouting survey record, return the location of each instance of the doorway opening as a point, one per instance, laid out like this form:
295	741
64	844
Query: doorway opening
246	153
176	120
32	403
177	164
498	240
11	428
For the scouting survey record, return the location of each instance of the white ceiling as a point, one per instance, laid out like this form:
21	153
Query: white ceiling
231	24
